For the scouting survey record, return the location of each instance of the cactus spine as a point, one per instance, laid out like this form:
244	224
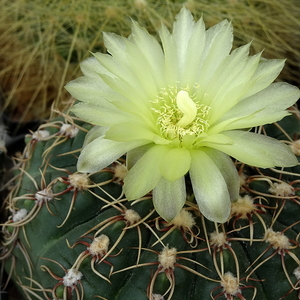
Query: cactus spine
75	236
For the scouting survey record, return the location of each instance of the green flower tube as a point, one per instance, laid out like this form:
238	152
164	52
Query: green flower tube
184	105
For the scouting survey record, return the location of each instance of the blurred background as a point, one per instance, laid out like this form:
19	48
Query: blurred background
42	42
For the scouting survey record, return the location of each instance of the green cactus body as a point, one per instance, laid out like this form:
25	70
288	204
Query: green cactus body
81	239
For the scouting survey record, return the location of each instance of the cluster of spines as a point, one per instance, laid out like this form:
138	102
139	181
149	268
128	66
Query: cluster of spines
211	252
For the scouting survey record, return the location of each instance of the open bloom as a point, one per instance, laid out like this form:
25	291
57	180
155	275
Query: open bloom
182	106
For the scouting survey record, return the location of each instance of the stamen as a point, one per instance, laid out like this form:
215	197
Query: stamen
179	113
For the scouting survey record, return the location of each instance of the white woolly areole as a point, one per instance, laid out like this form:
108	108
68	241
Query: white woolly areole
19	215
40	135
131	216
282	189
44	195
69	130
99	246
278	240
120	172
79	181
184	219
243	207
167	258
297	273
72	277
218	239
230	284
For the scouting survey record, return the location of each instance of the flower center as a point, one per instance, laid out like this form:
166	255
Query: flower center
179	114
188	108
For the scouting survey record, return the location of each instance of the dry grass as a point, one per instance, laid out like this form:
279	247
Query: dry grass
42	41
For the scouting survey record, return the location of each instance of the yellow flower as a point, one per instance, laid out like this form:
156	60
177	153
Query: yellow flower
182	106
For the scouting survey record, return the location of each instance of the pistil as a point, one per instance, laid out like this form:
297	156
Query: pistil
188	108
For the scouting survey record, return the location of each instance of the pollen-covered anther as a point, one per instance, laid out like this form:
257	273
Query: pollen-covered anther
167	258
72	277
295	147
218	240
40	135
230	284
68	130
99	246
80	181
131	216
282	189
278	240
43	195
243	207
184	220
19	215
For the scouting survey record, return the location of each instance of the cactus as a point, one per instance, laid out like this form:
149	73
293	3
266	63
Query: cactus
75	236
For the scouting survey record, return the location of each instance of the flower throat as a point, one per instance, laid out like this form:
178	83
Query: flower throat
179	114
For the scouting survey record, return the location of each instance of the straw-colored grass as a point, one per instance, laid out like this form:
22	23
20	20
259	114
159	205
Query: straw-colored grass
42	41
